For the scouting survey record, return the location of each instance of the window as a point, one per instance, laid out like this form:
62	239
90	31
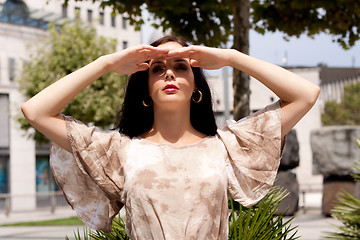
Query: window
77	12
124	22
4	145
45	183
11	69
4	160
89	15
4	121
124	44
64	11
44	179
101	14
113	23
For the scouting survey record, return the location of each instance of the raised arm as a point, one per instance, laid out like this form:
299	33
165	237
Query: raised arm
43	110
297	94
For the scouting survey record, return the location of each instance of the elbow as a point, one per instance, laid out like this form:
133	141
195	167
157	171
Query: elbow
314	94
28	113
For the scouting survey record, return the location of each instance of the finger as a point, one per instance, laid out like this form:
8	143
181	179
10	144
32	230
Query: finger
156	53
142	66
195	63
181	52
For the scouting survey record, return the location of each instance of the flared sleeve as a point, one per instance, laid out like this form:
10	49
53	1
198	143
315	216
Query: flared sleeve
254	147
92	176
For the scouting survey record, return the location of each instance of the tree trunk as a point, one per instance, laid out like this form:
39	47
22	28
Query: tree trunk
241	80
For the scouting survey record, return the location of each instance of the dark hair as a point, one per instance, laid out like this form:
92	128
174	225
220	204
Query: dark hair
134	118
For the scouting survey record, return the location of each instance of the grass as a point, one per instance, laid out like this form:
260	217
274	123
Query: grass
71	221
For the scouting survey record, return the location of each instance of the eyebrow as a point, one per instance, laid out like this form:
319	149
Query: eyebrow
162	62
180	60
157	62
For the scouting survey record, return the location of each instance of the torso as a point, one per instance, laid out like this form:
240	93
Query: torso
176	192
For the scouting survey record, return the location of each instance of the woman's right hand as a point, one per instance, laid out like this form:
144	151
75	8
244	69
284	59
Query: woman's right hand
133	59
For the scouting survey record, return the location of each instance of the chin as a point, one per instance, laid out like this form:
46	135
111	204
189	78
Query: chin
173	103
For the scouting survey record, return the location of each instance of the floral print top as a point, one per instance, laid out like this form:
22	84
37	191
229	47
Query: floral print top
169	192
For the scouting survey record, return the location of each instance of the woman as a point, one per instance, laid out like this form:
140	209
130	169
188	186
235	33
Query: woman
169	165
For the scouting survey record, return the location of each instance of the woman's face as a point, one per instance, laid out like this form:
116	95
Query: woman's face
171	81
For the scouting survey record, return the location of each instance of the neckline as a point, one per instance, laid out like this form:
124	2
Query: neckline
173	145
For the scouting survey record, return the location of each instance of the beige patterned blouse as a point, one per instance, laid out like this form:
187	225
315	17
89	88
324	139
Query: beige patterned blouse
169	192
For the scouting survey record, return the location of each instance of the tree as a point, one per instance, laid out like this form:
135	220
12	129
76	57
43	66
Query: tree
68	48
347	112
214	22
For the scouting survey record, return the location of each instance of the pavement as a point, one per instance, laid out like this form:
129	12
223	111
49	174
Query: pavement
311	225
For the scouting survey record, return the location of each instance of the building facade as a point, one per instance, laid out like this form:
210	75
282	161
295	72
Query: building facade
24	167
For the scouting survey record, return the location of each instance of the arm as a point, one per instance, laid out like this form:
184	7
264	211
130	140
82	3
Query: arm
297	94
43	110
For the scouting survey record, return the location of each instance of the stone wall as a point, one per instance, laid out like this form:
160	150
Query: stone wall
334	155
286	178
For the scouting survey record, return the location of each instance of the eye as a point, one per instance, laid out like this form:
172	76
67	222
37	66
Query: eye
181	67
158	69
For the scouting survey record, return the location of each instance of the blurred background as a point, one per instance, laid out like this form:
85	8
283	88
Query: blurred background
314	173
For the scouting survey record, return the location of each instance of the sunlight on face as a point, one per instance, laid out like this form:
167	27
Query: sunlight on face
171	80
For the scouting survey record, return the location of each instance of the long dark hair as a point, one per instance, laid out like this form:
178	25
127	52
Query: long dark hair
134	118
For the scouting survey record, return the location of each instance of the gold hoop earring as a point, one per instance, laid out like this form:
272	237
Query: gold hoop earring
200	97
147	104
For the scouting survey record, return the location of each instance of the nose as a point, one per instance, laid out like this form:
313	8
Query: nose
169	75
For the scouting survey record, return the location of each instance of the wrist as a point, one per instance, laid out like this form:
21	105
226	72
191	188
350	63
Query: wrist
104	63
239	60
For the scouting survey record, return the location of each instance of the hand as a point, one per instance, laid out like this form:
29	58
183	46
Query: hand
204	57
133	59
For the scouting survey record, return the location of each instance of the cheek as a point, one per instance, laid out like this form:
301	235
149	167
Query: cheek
191	81
154	85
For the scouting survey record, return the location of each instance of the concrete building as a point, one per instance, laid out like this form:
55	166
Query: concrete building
23	166
334	80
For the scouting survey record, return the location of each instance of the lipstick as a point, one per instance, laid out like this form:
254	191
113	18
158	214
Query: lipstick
170	88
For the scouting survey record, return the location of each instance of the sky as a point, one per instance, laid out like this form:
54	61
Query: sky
303	51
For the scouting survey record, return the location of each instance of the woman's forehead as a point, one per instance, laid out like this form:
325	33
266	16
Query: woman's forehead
170	45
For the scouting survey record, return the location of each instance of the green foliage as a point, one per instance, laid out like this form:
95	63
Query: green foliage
347	112
117	232
77	235
257	222
210	22
68	48
347	211
340	18
260	221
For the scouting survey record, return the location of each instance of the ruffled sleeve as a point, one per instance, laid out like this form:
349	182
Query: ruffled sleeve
92	177
254	147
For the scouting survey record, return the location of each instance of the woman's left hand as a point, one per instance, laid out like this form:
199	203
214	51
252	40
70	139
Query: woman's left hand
204	57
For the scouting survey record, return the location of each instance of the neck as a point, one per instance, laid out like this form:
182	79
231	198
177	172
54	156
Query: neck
171	125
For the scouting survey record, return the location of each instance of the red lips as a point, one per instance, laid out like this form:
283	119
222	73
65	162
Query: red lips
170	88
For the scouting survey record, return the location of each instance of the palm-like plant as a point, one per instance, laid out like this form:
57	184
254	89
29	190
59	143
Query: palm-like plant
260	221
117	232
257	222
347	211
